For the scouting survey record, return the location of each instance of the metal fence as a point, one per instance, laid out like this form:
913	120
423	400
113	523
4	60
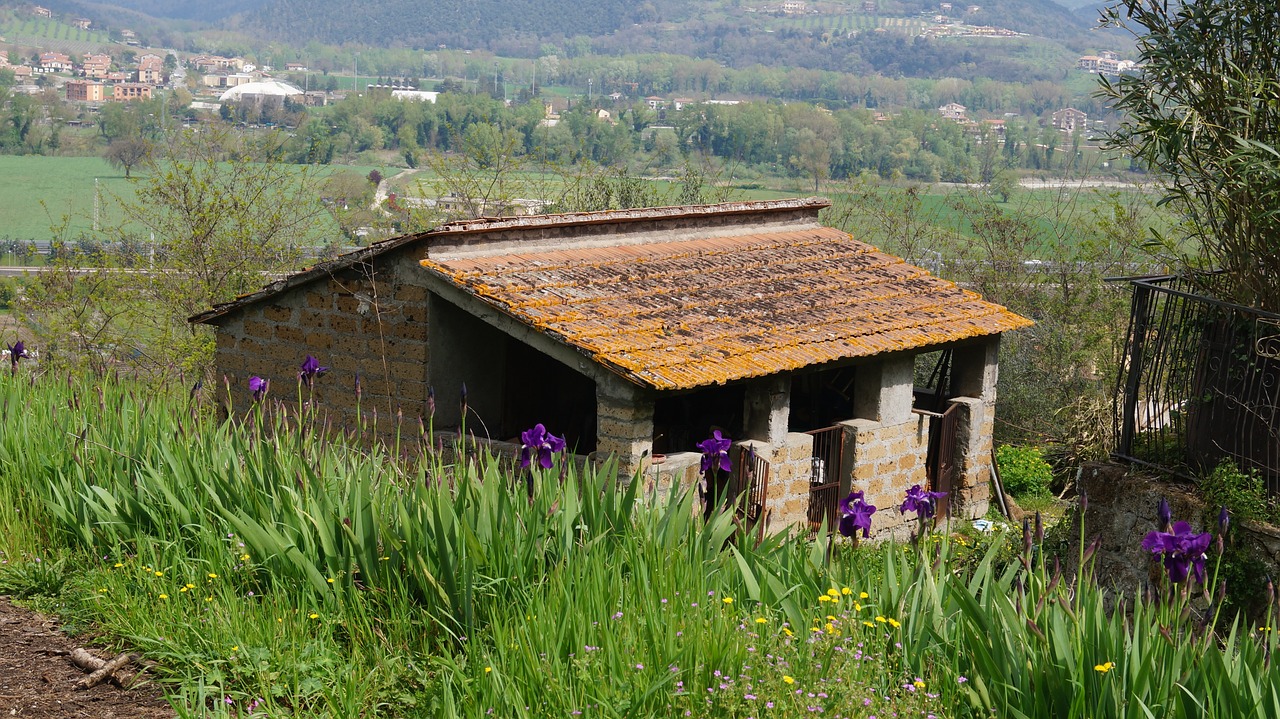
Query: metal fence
1200	383
824	479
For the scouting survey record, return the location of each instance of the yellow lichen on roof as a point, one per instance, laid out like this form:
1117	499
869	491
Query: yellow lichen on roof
696	312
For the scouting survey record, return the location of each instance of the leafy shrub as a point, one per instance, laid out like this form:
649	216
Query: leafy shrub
36	578
8	293
1243	493
1023	471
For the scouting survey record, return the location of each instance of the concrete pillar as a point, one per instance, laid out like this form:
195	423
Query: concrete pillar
975	369
624	425
882	390
768	409
972	485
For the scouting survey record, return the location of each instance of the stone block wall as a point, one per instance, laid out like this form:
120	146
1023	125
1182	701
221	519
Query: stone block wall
680	469
971	490
369	320
885	461
624	427
790	477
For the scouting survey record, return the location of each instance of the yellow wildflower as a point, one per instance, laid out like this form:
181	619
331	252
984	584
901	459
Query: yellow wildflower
1104	668
164	596
824	598
788	679
727	600
846	591
894	623
488	669
761	620
313	615
864	595
833	592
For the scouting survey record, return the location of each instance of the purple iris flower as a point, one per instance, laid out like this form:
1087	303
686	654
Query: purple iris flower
855	514
258	387
16	352
310	369
1164	515
541	442
921	502
1182	549
715	452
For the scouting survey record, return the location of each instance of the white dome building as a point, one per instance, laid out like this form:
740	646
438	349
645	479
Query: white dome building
259	91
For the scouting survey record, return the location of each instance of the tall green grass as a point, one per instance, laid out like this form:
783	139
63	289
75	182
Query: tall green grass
267	564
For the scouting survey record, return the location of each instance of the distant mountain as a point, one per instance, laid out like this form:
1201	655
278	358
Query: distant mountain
200	10
464	23
484	23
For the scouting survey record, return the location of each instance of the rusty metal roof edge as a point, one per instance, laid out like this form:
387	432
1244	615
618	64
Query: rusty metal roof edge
323	269
490	224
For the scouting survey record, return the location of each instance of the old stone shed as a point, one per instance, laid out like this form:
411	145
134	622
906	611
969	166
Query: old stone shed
635	333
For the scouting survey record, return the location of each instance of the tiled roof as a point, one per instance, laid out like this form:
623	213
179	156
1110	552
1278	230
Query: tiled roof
696	312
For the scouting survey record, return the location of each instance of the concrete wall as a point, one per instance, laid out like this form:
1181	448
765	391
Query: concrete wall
369	321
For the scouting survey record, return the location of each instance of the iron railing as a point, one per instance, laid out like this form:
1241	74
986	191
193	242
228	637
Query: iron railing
824	482
1200	383
749	485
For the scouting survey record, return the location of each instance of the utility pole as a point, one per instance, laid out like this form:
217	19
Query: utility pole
95	204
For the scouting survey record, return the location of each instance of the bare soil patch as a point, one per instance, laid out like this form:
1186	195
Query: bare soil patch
37	678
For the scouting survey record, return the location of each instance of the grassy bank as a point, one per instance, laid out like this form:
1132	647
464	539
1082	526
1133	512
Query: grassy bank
266	566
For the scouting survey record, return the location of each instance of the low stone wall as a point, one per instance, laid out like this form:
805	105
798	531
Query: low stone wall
790	478
1123	508
885	461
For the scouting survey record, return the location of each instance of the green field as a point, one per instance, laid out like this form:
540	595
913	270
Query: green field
52	33
850	22
37	192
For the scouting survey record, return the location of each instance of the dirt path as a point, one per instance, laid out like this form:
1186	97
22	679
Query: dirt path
380	196
36	678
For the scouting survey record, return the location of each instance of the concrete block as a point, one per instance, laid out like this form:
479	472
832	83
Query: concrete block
286	333
278	313
315	300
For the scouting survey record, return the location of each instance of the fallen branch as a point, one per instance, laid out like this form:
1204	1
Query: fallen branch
86	661
101	670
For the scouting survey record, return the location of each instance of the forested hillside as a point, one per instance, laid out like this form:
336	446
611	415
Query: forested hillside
202	10
461	23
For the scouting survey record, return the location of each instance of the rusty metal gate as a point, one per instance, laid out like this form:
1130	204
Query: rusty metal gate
940	463
748	486
824	478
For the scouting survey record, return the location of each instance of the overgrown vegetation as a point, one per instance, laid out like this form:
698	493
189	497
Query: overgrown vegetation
263	563
1202	112
1023	471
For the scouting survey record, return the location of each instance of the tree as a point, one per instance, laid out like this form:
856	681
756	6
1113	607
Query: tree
126	153
1205	112
225	214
